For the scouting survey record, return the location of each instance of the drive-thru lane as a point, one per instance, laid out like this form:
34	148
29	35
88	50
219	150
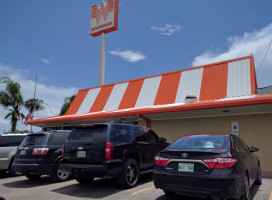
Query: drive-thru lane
14	188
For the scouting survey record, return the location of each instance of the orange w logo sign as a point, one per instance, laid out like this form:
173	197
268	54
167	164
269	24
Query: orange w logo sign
104	10
104	18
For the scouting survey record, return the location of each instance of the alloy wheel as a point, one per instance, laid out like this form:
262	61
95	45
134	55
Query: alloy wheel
132	173
62	174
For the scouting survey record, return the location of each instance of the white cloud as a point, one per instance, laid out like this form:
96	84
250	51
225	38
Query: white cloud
255	43
44	60
167	29
129	55
53	96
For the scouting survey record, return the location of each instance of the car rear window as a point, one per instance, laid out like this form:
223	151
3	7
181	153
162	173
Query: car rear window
35	139
57	138
9	141
201	142
95	134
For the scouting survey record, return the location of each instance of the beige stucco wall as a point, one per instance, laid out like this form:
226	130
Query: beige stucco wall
255	130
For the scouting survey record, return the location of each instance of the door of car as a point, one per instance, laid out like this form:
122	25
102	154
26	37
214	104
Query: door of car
154	145
253	161
246	156
142	146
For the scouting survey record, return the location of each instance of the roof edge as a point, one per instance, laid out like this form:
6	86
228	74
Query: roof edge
252	100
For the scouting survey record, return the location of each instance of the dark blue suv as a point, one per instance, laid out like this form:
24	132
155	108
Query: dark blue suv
113	149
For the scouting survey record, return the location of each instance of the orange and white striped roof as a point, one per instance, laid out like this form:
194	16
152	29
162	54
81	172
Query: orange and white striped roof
226	79
229	83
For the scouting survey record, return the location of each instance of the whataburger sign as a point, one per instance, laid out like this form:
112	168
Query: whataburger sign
104	18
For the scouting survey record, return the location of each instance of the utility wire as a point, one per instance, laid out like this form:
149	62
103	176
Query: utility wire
264	56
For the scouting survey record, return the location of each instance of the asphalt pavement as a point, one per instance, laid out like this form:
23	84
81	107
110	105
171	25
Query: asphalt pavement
20	188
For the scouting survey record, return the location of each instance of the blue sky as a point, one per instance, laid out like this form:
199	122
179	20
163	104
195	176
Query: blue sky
51	38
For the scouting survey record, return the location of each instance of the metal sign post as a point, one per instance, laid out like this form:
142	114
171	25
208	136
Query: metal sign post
102	60
104	19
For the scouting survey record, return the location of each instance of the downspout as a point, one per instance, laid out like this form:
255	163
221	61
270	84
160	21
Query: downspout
145	119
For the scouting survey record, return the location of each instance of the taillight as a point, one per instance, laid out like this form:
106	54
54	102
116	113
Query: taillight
109	151
160	160
220	163
62	152
40	151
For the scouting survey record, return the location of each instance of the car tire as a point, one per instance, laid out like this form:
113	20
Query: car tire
3	172
246	195
168	193
11	170
33	176
130	175
258	180
83	180
59	174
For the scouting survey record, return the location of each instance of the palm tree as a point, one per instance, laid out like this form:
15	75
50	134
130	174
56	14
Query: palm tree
34	105
67	103
12	100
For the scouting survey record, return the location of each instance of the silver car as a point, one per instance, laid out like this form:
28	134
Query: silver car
8	147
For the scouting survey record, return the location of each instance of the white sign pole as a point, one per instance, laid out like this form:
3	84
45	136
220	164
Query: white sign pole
102	60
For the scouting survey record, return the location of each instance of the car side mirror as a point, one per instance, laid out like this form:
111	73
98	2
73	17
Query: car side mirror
162	139
254	149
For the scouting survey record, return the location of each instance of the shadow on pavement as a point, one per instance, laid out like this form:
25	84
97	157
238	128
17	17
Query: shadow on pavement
26	183
253	192
7	175
99	188
176	197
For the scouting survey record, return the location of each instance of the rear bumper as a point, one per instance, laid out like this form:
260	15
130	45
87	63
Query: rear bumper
4	163
41	169
221	183
108	168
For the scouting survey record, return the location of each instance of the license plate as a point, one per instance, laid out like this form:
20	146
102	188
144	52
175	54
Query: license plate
186	167
81	154
22	152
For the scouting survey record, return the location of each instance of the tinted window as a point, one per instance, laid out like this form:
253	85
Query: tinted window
57	139
9	141
95	134
152	136
120	134
201	142
139	134
35	139
240	145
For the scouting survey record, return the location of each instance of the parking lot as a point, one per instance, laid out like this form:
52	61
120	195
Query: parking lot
14	188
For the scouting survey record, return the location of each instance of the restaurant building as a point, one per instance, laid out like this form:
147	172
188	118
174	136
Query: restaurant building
218	98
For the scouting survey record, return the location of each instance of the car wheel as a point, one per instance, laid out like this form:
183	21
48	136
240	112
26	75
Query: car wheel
130	174
2	172
246	195
33	176
168	193
11	170
59	174
258	180
82	180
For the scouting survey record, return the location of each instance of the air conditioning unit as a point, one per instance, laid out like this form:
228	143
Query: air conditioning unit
191	98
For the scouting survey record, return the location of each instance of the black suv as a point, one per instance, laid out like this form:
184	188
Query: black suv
40	154
114	149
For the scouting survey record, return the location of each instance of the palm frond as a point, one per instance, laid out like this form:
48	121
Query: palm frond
8	115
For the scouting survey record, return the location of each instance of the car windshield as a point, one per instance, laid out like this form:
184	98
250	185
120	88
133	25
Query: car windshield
35	139
95	134
205	142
